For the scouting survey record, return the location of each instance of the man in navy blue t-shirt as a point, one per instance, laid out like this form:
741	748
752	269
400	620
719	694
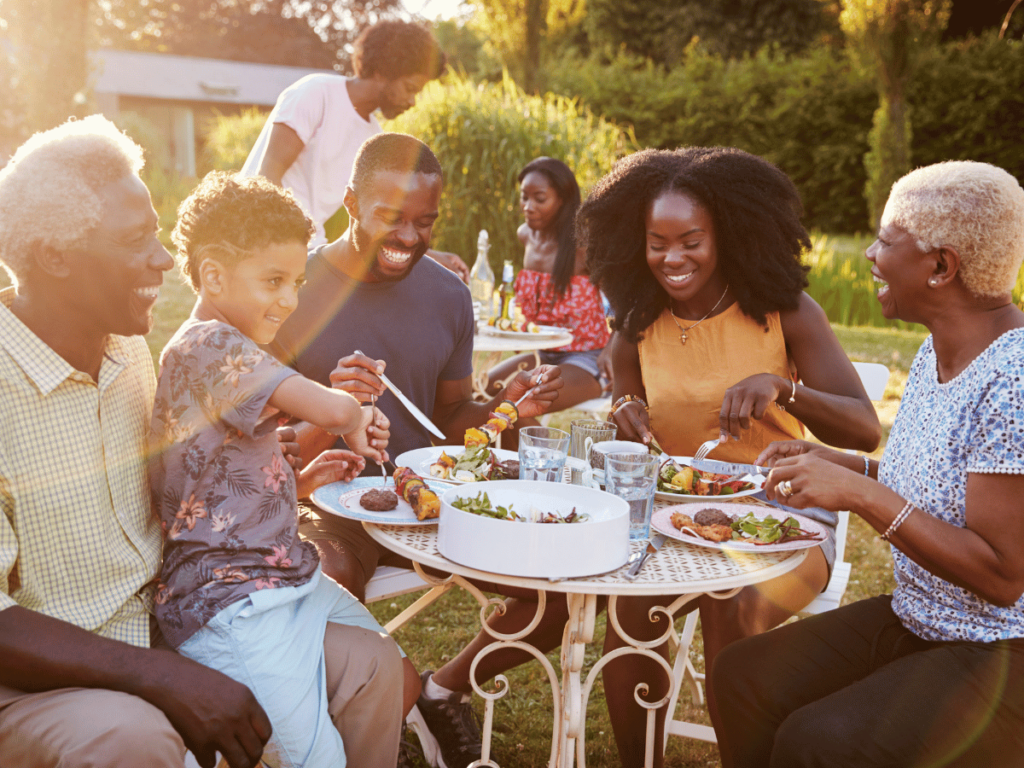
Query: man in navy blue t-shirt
371	290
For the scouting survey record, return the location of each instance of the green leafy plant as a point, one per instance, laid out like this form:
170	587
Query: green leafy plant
484	134
229	138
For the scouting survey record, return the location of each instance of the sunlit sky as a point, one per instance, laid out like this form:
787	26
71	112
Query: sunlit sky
432	9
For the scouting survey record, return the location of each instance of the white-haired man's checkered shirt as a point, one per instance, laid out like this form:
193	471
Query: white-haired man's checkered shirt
78	540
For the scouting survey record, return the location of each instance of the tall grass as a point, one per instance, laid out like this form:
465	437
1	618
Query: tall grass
841	282
229	138
484	134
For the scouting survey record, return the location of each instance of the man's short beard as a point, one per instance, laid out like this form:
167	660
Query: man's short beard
363	243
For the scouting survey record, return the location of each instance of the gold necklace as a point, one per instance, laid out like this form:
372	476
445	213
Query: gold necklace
682	330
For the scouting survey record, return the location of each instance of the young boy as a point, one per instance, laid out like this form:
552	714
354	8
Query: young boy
239	590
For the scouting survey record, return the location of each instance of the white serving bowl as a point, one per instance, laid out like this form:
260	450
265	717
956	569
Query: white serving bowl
536	550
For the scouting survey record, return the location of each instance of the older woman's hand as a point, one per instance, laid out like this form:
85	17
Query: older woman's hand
782	449
544	394
812	480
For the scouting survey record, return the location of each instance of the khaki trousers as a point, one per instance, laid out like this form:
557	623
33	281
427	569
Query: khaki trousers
95	728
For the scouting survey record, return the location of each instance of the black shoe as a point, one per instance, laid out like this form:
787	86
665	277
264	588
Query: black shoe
407	751
452	737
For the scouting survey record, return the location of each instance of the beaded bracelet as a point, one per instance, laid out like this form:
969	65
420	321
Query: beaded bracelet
903	515
628	399
867	466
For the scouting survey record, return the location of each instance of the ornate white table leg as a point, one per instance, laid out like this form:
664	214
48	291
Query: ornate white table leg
503	641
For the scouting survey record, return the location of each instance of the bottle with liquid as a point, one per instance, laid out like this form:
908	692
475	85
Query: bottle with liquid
481	278
507	292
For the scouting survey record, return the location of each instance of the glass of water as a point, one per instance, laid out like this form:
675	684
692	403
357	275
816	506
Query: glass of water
583	434
542	452
633	477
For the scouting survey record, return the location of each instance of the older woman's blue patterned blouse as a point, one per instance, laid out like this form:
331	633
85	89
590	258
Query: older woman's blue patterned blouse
971	424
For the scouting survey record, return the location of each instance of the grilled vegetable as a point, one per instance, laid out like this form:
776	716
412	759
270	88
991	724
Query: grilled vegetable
410	486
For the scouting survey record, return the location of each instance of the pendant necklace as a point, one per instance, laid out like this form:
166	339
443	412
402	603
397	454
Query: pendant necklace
682	330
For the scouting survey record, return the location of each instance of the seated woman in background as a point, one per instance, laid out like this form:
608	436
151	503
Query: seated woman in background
553	288
934	673
699	252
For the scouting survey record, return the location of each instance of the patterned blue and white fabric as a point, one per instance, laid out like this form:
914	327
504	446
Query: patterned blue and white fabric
943	432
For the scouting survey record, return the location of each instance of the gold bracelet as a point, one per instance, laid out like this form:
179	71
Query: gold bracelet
628	399
896	523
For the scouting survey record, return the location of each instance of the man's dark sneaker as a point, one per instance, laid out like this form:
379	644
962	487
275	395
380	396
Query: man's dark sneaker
448	729
407	751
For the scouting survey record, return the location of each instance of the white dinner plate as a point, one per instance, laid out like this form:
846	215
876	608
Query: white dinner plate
661	521
689	498
420	459
543	332
342	499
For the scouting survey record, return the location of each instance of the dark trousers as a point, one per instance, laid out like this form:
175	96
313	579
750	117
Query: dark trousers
853	687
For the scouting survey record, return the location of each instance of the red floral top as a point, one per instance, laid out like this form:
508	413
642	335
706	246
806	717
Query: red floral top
579	309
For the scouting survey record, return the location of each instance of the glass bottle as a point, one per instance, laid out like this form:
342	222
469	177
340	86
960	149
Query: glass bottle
507	292
481	278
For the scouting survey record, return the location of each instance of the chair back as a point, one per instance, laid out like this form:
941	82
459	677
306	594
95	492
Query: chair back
874	377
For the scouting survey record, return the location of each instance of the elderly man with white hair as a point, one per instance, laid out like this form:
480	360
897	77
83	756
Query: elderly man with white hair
79	547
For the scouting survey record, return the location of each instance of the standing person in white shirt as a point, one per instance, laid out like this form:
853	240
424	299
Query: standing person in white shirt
310	140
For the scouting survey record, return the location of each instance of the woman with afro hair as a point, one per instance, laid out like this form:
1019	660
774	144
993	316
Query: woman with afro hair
699	252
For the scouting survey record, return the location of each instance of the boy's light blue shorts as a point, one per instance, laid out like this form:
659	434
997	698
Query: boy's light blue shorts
272	641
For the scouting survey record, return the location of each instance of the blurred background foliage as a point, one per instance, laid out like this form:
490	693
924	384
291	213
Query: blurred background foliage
483	134
588	81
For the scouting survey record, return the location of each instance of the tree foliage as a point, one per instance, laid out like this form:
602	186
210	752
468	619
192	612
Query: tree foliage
484	135
518	31
50	39
888	35
662	29
812	114
313	33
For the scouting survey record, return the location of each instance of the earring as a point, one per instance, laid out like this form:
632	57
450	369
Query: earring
933	282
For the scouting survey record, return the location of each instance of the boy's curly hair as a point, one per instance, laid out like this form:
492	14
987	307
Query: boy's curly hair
397	49
238	214
755	210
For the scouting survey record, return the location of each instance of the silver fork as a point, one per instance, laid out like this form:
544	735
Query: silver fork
705	448
373	406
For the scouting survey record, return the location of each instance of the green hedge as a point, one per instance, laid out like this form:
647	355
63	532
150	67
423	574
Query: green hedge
811	114
483	135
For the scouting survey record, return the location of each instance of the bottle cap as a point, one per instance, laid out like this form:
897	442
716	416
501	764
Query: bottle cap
482	240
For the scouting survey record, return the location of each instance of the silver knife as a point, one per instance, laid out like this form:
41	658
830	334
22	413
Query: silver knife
416	412
727	468
653	545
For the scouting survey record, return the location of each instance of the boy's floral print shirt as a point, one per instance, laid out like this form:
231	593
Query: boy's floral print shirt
223	490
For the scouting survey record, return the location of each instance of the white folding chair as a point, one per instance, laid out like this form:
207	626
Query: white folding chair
874	377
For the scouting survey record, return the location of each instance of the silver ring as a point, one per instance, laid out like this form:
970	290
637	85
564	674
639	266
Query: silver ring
786	488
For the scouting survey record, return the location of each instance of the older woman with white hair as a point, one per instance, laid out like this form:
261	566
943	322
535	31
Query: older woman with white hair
934	673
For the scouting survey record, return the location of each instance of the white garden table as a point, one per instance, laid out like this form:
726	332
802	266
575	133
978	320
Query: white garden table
682	571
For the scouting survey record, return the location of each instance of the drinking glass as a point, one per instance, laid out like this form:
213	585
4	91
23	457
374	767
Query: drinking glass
542	453
633	477
583	434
